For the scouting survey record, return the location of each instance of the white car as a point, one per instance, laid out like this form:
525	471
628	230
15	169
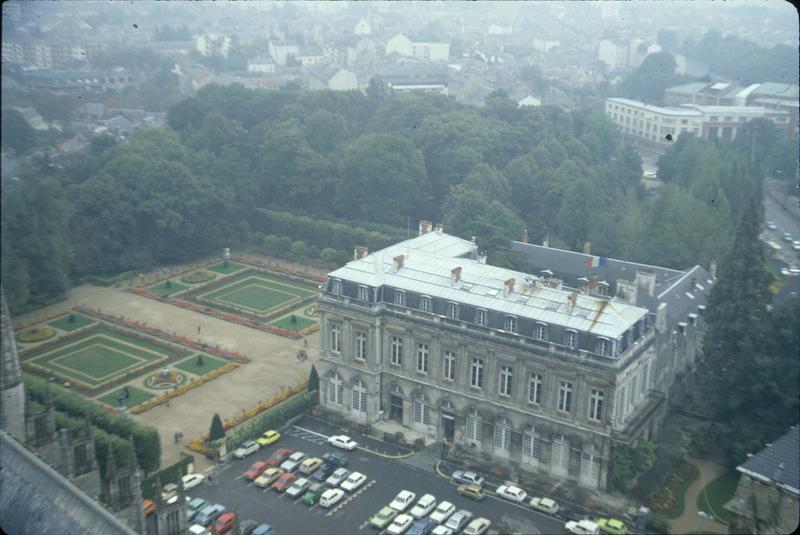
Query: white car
546	505
512	493
190	481
582	527
443	512
403	500
477	526
197	529
400	524
293	462
248	448
468	477
342	441
424	506
442	530
330	497
336	478
353	481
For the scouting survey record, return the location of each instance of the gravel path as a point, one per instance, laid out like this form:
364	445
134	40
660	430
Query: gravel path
690	521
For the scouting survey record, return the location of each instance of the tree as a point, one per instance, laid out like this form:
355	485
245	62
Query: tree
17	134
468	213
486	180
377	91
217	430
313	379
648	81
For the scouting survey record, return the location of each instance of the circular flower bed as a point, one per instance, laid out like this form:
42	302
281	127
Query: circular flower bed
36	334
312	311
156	382
196	277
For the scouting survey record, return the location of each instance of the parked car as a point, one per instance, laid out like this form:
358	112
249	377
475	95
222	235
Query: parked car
336	457
149	506
197	529
308	466
582	527
545	505
331	497
323	472
247	527
336	478
400	524
190	481
353	481
342	441
786	237
612	526
169	493
423	526
194	507
471	491
771	225
460	476
269	437
298	488
255	470
268	477
459	519
313	494
224	523
284	481
263	529
796	245
403	500
575	514
442	530
477	526
248	448
442	512
423	506
293	462
383	517
209	514
512	493
279	456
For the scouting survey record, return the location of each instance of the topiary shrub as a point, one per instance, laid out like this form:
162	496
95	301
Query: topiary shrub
196	277
217	430
200	362
36	334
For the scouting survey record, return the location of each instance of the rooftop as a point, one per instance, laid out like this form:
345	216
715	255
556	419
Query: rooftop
779	462
690	88
775	89
680	111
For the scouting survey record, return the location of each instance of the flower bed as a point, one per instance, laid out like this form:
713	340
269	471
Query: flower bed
668	502
196	277
182	389
36	334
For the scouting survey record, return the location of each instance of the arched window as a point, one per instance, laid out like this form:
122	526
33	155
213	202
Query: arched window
559	461
473	426
531	446
502	436
335	390
359	398
422	412
590	466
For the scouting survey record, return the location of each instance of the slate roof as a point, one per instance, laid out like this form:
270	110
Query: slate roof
775	89
36	499
689	88
779	462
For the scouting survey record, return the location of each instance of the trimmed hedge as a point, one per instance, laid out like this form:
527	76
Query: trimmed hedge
170	474
271	419
36	334
146	440
196	277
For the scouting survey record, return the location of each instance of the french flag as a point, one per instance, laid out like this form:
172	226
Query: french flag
595	261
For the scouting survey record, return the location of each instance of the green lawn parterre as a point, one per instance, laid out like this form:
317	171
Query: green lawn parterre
136	396
712	498
286	323
64	324
220	267
161	288
257	291
209	363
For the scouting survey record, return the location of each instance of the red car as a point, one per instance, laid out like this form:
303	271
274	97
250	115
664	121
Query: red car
256	470
224	523
279	456
284	481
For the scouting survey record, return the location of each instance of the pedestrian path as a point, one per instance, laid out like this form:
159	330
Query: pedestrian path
690	521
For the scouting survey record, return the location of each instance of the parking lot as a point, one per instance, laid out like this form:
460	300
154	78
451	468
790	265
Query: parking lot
385	478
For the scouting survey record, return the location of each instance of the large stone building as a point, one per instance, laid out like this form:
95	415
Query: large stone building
538	371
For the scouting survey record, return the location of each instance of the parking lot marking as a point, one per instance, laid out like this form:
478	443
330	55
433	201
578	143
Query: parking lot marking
310	431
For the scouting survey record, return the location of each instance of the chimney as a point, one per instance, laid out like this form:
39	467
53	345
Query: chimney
398	262
546	273
359	252
424	226
572	298
481	258
661	318
627	290
587	247
509	284
583	284
439	228
646	278
545	241
455	273
778	473
525	236
473	240
712	269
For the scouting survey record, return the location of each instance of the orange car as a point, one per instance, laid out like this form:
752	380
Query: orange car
149	507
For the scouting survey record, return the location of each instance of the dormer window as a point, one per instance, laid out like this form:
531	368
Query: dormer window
363	294
452	310
602	288
336	287
511	324
480	317
425	303
603	346
540	331
571	339
400	298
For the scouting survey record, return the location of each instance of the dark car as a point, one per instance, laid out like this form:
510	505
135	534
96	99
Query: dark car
279	456
575	514
322	473
423	526
335	457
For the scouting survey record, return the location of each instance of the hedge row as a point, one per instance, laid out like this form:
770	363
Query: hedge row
170	474
146	441
108	281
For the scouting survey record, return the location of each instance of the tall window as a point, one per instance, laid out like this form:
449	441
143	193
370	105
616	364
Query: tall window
363	296
535	389
422	412
602	346
450	365
336	338
571	339
361	345
560	455
540	331
400	298
476	373
511	324
531	447
502	436
359	398
590	467
480	317
565	396
452	310
425	304
335	390
506	375
337	287
596	405
397	350
422	358
473	426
